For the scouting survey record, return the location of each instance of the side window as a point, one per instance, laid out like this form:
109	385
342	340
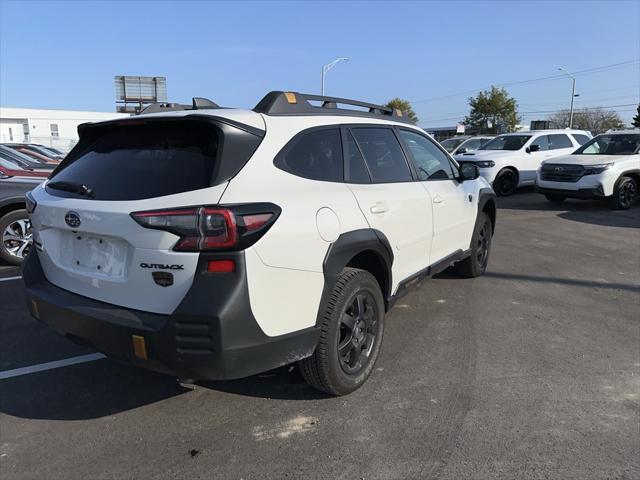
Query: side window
383	154
472	144
316	154
542	142
431	162
356	170
581	139
559	141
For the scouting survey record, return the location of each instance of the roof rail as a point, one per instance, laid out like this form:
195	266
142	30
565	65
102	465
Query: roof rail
197	103
294	103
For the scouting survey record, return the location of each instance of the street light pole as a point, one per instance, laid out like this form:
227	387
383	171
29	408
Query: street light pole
573	94
329	66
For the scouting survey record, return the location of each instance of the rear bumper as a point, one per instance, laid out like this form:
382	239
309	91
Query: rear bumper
211	335
584	193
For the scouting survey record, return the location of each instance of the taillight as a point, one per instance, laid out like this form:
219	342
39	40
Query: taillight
31	203
233	227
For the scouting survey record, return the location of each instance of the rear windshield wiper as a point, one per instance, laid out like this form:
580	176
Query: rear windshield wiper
72	187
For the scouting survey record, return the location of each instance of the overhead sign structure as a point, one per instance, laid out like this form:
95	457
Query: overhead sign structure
134	93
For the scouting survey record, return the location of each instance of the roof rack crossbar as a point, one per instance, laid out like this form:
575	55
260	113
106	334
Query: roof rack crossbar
294	103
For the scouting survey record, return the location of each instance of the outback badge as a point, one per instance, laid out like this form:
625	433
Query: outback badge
164	279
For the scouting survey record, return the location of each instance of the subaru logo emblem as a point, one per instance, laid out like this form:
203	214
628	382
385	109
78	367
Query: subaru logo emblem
72	219
558	169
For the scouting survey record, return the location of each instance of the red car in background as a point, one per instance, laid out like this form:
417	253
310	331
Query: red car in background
8	169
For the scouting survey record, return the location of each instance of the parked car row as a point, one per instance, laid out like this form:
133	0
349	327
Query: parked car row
562	164
463	144
22	168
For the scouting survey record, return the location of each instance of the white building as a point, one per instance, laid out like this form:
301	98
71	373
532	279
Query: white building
53	128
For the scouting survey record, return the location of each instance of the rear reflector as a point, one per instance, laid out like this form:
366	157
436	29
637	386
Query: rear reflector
221	266
139	346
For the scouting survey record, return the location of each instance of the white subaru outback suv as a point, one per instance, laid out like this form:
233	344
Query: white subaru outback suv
511	160
214	243
607	167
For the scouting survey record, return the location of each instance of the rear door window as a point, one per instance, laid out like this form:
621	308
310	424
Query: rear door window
314	154
383	154
356	170
559	141
542	141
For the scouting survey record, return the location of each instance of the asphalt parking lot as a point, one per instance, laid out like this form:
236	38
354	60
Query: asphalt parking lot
532	371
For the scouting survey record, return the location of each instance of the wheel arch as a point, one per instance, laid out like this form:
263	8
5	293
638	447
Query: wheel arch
10	204
634	174
366	249
513	169
487	204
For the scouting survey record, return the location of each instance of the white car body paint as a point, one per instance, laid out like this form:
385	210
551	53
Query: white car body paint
423	221
622	164
526	164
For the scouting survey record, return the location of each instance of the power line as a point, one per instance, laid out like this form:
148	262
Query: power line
536	112
602	68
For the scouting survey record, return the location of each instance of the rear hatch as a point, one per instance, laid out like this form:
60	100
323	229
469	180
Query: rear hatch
84	233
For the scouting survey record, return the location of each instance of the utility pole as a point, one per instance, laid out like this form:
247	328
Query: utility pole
329	66
573	94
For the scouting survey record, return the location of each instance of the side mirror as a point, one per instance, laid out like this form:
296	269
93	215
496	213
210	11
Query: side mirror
533	148
468	171
462	150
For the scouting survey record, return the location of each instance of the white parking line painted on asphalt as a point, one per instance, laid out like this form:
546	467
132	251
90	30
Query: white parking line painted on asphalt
41	367
9	278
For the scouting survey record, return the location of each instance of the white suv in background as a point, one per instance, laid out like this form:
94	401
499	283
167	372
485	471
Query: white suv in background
215	243
607	167
511	160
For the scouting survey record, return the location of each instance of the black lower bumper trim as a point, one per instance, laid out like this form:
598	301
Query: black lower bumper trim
584	193
212	337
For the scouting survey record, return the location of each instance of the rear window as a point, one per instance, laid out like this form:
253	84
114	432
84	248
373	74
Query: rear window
133	162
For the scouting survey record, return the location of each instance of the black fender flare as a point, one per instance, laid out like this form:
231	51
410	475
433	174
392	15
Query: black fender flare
485	195
347	246
12	200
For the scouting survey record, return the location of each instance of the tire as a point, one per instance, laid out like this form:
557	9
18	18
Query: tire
505	183
624	194
345	356
555	198
476	264
15	237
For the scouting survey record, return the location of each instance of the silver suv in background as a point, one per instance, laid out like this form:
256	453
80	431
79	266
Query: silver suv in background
15	227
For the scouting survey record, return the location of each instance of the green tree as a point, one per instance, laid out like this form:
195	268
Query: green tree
405	107
636	119
596	120
493	111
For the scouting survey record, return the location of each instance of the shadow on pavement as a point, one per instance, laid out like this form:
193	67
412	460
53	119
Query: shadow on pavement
563	281
595	212
105	387
91	390
283	383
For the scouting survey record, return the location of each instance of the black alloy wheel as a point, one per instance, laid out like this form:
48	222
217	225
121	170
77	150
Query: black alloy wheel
351	331
505	183
358	332
625	194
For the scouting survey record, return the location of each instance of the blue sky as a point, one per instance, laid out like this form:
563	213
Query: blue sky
65	54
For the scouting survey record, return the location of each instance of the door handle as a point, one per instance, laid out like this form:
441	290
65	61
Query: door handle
379	208
438	199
